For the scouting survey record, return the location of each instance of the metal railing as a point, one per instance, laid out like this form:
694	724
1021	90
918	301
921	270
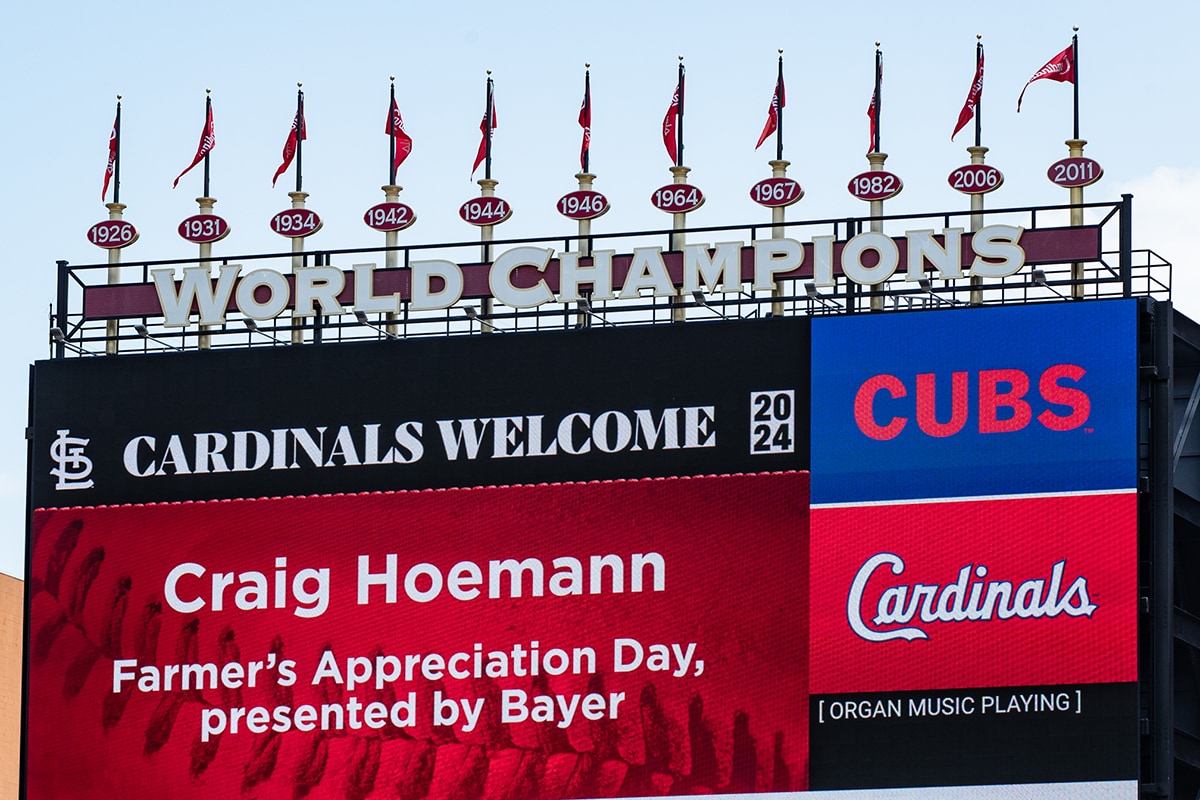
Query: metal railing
76	330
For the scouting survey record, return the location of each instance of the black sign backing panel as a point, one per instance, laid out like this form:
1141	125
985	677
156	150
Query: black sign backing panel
499	408
996	735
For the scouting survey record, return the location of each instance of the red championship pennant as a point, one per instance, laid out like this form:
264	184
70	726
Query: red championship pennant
976	91
1061	68
114	151
208	140
775	112
395	129
486	126
297	134
585	121
876	102
673	121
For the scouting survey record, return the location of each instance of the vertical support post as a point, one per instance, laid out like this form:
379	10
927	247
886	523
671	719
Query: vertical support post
679	239
584	246
851	227
391	259
206	207
778	216
1162	498
876	160
487	188
1075	150
318	325
297	262
60	348
1126	245
112	327
977	157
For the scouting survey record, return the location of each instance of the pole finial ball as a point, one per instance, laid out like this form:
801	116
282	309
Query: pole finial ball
299	84
1075	28
391	77
208	91
586	65
681	56
118	98
489	72
978	36
877	44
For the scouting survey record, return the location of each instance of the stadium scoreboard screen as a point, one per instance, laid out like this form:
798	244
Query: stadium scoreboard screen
786	555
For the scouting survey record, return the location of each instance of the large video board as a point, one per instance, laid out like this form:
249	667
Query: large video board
974	548
507	532
587	564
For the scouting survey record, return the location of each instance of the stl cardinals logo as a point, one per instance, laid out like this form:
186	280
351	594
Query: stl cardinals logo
72	466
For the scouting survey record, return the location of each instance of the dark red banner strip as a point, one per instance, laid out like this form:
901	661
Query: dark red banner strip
1042	246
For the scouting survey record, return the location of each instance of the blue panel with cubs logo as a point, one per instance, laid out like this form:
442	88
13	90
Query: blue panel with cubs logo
975	402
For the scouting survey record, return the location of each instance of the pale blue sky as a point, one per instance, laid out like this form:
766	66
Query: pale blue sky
66	64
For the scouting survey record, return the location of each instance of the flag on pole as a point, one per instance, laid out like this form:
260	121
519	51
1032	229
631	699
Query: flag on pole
297	134
671	121
976	91
585	121
207	141
778	101
114	145
1061	68
486	126
873	109
395	128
